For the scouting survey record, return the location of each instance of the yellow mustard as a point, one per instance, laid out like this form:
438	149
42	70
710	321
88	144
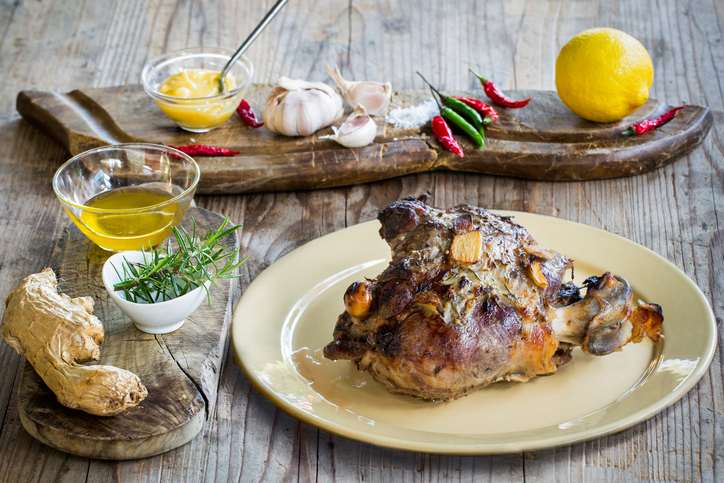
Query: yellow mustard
192	111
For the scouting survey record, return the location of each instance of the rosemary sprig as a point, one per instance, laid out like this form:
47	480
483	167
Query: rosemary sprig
166	276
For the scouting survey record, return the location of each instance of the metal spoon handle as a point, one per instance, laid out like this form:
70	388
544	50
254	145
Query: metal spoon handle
245	45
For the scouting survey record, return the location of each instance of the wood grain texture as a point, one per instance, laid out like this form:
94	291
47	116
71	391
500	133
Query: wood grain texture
180	369
676	210
544	141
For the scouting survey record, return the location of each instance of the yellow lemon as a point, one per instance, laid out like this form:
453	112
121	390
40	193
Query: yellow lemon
604	74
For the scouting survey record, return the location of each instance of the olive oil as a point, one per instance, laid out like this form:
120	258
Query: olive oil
134	230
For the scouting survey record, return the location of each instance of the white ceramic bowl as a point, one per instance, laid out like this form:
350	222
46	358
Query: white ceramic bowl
158	318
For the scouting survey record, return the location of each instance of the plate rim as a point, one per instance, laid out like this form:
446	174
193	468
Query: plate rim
490	448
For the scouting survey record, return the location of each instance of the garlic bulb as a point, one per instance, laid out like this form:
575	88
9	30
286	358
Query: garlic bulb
299	108
374	96
358	130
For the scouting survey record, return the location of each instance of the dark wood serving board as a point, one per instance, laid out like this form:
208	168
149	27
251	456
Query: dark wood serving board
180	369
544	141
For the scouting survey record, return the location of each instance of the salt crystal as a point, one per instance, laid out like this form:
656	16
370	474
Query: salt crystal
414	116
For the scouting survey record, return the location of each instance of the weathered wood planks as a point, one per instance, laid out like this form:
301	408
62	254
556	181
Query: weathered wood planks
675	210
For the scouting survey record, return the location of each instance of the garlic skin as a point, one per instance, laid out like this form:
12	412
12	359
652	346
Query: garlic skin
299	108
358	130
374	96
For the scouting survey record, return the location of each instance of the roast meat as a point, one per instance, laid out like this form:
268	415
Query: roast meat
469	299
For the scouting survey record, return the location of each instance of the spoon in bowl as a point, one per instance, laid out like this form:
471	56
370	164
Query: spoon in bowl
245	45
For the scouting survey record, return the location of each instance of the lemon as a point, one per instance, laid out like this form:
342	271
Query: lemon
603	74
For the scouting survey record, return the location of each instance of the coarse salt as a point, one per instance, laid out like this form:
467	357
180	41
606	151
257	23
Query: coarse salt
413	116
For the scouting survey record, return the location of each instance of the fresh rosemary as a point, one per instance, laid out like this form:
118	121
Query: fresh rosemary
166	276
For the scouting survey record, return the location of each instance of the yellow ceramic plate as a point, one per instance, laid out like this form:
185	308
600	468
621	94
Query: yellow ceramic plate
288	312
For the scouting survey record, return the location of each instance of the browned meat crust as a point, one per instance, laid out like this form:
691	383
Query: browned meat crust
469	299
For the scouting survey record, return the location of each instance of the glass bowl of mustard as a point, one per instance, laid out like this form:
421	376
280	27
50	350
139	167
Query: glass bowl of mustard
185	85
127	196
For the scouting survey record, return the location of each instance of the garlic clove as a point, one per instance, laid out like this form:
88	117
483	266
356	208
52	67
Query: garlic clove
358	130
299	108
374	96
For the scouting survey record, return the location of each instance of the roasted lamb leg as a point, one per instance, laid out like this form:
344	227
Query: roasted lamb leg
469	299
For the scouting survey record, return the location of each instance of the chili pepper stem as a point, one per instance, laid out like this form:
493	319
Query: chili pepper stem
435	90
439	106
481	78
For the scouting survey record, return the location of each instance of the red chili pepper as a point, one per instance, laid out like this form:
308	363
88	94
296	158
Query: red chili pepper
445	136
649	124
490	115
247	114
201	150
497	96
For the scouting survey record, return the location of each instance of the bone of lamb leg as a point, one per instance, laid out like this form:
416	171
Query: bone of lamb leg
603	321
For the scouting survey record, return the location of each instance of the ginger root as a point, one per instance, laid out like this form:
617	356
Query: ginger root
55	333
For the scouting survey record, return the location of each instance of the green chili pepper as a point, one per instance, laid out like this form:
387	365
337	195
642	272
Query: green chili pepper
459	121
456	113
464	110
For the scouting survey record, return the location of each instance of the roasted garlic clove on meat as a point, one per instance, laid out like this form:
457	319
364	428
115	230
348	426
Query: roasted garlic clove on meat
467	247
358	298
537	274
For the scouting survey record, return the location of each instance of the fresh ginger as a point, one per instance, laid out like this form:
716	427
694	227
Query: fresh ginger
55	333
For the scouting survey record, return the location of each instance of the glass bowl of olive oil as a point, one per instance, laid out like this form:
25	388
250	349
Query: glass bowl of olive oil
127	196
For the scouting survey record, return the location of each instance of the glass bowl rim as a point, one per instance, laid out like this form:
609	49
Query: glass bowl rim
196	52
154	147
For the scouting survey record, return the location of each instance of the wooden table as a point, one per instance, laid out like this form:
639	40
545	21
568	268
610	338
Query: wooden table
677	211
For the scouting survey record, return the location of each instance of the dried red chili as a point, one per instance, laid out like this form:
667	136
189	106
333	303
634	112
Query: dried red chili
490	115
649	124
445	136
201	150
497	96
247	114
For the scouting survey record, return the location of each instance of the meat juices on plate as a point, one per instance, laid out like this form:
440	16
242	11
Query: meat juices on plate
469	299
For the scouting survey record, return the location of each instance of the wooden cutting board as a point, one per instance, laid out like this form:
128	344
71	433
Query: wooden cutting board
543	141
180	369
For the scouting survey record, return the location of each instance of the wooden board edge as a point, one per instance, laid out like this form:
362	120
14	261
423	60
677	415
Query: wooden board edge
206	378
115	449
602	165
400	158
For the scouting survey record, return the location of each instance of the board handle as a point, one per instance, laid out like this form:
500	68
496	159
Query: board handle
73	120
